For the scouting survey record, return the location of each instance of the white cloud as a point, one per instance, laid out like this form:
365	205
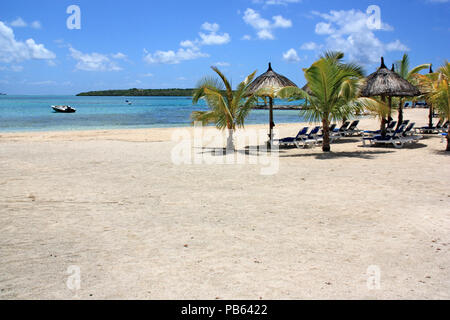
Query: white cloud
43	83
36	25
13	68
18	23
214	39
348	31
188	44
324	28
17	68
246	37
264	27
174	57
311	46
93	61
276	2
265	35
281	22
222	64
190	49
291	56
396	46
119	56
13	50
211	27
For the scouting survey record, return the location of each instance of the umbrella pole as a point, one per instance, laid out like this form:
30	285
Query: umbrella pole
430	117
271	124
383	120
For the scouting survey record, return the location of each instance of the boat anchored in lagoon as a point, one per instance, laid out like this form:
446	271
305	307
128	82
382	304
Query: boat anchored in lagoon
64	109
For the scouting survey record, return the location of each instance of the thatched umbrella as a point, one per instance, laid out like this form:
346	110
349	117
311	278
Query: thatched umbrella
307	89
266	85
387	83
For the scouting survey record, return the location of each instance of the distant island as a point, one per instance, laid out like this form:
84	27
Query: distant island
140	93
2	94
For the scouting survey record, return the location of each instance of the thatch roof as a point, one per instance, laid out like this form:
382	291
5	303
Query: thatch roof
307	89
385	82
270	80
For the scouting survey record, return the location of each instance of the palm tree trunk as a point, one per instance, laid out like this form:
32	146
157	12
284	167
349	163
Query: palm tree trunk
448	139
326	135
400	114
230	141
430	117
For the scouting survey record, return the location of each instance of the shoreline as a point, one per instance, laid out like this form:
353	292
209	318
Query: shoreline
161	134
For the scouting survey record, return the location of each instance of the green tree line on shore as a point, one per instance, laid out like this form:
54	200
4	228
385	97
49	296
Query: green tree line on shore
141	93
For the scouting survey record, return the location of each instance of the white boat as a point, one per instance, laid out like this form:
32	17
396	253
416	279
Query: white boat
64	109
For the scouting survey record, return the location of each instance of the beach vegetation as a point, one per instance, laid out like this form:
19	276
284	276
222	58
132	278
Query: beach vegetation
334	92
437	92
402	67
228	109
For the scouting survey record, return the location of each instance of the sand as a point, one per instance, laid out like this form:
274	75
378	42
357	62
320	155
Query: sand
114	205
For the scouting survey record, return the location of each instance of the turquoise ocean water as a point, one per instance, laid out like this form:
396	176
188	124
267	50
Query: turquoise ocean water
34	113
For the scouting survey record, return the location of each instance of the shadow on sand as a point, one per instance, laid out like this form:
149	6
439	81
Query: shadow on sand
367	155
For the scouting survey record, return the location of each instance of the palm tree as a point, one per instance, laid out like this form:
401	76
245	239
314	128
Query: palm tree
436	86
228	108
402	69
334	92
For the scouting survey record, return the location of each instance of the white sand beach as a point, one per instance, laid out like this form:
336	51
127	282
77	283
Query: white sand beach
140	227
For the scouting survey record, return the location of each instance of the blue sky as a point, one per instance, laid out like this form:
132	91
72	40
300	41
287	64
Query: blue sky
168	44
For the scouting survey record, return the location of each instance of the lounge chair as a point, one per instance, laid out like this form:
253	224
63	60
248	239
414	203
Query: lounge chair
395	139
390	129
405	123
409	129
333	127
291	140
431	130
444	128
343	128
310	139
408	135
334	135
353	130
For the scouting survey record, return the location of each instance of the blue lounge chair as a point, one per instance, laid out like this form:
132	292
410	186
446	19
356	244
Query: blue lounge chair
408	135
405	123
444	128
394	139
343	128
431	130
291	140
310	139
390	129
353	129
